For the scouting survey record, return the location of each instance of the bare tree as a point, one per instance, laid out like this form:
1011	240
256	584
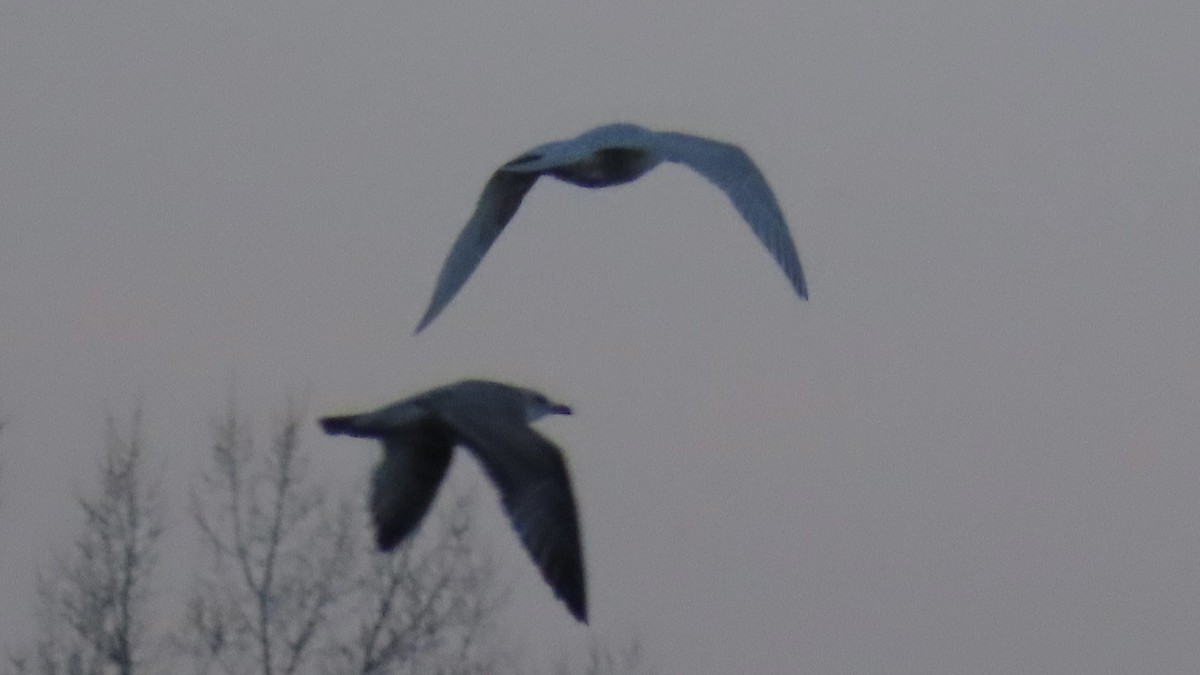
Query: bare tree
279	556
292	583
93	601
603	659
288	580
430	607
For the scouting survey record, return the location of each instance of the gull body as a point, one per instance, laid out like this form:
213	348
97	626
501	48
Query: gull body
491	420
611	155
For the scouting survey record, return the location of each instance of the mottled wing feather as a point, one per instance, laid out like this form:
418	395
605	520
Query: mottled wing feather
531	476
406	481
500	199
731	169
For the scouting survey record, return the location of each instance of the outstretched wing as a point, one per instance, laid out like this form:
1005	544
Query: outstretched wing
731	169
406	481
501	197
535	489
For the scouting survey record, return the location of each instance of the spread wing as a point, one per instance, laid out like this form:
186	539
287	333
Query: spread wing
531	475
731	169
406	481
501	197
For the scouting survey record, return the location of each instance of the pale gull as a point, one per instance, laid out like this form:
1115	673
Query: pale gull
492	420
611	155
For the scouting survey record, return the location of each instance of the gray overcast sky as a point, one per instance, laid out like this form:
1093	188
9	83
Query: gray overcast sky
974	450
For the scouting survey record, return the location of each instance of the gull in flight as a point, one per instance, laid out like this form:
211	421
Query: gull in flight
611	155
491	420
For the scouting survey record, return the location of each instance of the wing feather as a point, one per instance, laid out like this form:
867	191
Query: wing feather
729	167
535	489
500	199
404	484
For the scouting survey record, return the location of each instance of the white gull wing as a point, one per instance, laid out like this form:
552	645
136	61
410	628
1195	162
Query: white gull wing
611	155
500	199
535	489
729	167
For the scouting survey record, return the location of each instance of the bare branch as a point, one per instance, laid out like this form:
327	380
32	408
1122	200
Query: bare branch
604	659
278	554
428	607
92	602
293	583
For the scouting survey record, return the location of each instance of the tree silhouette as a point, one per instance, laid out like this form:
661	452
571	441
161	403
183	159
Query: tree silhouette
93	601
289	580
604	659
430	606
278	556
292	583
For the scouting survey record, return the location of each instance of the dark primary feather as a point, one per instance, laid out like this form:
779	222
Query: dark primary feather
406	481
535	489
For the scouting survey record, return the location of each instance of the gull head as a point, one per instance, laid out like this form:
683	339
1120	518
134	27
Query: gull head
609	155
538	406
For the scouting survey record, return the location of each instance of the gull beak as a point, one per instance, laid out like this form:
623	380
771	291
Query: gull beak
560	409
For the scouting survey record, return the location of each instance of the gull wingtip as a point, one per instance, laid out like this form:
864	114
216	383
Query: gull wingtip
430	315
578	609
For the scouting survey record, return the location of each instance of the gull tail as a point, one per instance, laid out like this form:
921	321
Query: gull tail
340	424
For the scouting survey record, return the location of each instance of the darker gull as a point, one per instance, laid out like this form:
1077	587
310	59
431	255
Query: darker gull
492	421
